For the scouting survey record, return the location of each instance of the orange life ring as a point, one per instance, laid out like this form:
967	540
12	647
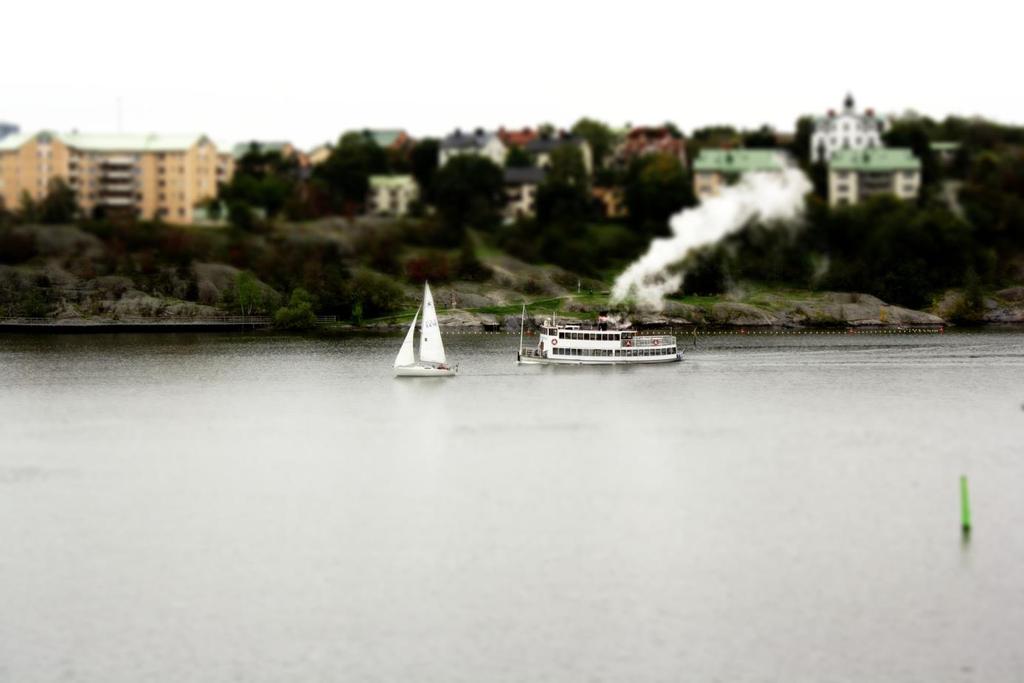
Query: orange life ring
628	342
657	342
554	342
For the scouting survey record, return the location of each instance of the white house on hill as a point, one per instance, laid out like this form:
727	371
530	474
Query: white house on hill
477	143
845	130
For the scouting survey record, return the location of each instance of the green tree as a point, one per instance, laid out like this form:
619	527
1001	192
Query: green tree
761	138
562	208
423	159
28	209
241	215
716	136
517	158
599	136
298	314
248	293
263	179
567	166
468	192
657	187
373	295
801	147
468	265
914	134
59	205
347	170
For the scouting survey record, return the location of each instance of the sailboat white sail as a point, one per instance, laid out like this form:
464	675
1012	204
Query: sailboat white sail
432	362
431	347
407	354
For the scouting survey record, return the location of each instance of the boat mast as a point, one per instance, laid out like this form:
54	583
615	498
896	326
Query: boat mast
522	326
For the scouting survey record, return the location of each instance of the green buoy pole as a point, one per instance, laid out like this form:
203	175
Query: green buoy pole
965	506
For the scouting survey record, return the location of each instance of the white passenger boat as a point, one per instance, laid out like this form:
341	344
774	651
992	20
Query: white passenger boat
596	344
432	361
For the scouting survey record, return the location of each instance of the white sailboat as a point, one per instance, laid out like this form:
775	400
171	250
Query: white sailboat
432	361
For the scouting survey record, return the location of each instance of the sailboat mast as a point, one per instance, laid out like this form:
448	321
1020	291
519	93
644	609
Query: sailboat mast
522	326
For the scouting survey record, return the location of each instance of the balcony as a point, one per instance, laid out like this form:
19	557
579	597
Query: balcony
116	199
111	173
116	189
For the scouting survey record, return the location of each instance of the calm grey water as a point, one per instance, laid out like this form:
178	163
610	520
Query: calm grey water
250	508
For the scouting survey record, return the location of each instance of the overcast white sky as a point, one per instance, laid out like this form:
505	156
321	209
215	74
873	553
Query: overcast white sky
306	71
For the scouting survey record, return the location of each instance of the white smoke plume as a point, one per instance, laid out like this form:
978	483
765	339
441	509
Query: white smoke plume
763	196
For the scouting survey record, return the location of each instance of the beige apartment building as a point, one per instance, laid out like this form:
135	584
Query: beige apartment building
147	176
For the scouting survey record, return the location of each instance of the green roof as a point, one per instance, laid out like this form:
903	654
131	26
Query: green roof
115	142
14	141
875	159
385	137
739	160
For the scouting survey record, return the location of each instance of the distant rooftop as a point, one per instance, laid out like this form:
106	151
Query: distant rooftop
875	159
385	137
7	129
471	140
114	142
549	143
526	175
739	160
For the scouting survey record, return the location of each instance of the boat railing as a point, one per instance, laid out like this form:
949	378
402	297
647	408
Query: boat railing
643	341
532	353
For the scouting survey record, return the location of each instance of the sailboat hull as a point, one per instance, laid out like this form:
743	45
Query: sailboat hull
424	371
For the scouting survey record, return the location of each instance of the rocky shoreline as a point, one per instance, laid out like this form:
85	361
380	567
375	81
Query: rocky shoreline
830	310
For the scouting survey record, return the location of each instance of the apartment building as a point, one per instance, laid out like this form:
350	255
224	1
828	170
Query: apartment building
716	168
146	176
855	175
